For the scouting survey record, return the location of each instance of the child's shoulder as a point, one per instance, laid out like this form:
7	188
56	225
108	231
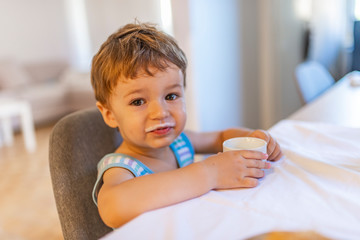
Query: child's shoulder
136	167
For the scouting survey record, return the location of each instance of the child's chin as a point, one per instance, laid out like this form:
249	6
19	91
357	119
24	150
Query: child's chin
163	142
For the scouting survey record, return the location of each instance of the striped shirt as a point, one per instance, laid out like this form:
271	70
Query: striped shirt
181	147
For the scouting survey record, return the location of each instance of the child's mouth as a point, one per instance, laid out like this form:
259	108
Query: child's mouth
162	131
160	128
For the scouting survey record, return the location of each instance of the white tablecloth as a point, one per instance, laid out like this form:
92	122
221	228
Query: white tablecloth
315	187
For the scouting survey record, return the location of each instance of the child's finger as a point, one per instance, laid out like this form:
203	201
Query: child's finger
255	173
277	157
276	153
271	145
253	163
249	182
249	154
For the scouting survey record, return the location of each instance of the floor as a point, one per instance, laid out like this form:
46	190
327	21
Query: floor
27	205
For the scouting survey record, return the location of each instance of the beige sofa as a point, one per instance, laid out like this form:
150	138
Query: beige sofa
52	88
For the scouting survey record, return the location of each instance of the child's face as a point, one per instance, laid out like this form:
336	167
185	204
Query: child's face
149	111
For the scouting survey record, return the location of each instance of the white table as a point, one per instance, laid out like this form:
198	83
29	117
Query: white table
339	105
11	108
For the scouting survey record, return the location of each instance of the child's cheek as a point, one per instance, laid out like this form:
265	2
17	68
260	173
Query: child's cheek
184	106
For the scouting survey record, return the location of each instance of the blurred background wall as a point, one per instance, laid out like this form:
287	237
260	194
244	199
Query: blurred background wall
242	53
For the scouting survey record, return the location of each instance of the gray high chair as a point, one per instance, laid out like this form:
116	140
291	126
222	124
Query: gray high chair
77	143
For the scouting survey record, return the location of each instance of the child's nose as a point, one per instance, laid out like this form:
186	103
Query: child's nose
158	110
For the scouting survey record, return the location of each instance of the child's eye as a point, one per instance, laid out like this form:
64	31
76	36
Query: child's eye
137	102
171	96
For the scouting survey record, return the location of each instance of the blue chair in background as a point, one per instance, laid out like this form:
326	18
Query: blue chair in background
312	80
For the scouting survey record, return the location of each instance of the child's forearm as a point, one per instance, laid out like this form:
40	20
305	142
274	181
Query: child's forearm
121	203
211	142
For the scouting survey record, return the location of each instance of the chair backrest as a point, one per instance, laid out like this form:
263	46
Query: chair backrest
77	143
312	80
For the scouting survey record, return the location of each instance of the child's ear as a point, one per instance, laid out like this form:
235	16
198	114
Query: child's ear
107	115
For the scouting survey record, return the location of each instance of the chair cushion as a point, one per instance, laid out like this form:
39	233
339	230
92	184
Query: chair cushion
77	143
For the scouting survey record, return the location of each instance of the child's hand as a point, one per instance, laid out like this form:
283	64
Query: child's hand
273	148
234	169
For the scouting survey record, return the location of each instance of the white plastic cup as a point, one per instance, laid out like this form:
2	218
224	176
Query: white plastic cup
245	143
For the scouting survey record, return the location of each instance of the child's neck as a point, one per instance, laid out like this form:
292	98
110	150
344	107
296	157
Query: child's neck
157	153
158	160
